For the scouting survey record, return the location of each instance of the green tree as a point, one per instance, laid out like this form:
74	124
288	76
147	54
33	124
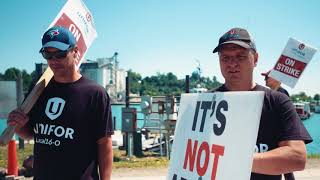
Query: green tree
302	96
156	85
317	98
27	80
135	82
166	84
1	77
12	74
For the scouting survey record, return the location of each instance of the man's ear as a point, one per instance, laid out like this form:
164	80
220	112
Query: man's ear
256	57
76	51
76	55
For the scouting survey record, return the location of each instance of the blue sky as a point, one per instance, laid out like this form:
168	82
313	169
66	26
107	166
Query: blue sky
168	35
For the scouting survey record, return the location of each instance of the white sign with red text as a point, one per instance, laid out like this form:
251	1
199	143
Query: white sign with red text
292	62
215	136
77	18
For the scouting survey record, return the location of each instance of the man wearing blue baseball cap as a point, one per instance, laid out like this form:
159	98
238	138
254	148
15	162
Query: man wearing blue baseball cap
280	146
58	37
71	122
60	50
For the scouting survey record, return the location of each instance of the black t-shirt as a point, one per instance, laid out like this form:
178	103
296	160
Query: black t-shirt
279	122
67	120
282	90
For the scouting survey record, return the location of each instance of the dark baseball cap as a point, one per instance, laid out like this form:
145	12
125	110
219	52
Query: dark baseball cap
236	36
58	37
266	73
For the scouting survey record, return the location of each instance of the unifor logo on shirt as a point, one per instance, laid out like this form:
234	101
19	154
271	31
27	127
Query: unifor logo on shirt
54	107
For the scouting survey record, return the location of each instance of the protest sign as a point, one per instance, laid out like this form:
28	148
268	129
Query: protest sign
292	62
215	136
76	17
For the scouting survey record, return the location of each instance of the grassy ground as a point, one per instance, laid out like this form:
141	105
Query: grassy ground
120	159
22	155
314	156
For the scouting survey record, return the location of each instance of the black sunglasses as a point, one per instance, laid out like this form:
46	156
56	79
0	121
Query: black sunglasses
56	54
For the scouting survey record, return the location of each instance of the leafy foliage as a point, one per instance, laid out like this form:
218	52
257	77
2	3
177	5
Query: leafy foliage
12	74
166	84
156	85
302	96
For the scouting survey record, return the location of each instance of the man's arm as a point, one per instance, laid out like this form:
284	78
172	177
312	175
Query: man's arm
288	157
105	156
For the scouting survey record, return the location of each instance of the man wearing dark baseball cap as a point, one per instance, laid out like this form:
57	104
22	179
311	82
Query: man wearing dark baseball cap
274	84
237	36
280	146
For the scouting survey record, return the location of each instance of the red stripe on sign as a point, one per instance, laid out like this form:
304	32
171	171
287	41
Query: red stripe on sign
65	21
290	66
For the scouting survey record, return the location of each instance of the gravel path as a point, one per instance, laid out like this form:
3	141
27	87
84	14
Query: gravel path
311	172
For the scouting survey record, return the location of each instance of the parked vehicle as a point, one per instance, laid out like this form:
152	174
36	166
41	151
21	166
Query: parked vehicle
303	110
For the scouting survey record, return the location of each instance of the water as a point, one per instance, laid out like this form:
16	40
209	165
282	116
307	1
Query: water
312	124
3	124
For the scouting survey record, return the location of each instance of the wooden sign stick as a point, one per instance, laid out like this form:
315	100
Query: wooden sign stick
28	103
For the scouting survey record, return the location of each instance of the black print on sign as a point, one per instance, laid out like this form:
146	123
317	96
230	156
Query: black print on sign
176	178
213	107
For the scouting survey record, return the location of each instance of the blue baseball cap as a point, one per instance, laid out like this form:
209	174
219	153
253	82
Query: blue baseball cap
58	37
237	36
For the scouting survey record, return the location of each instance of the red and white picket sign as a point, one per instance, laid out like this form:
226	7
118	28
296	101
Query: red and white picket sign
292	62
77	18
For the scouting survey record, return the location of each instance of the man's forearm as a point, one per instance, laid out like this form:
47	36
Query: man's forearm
279	161
105	157
105	168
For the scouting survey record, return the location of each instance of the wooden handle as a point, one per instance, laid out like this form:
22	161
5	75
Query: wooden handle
27	104
7	135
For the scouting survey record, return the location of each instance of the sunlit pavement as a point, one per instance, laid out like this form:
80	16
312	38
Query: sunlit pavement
160	174
308	174
154	174
140	178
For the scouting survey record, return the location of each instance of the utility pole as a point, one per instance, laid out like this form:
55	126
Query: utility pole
20	98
